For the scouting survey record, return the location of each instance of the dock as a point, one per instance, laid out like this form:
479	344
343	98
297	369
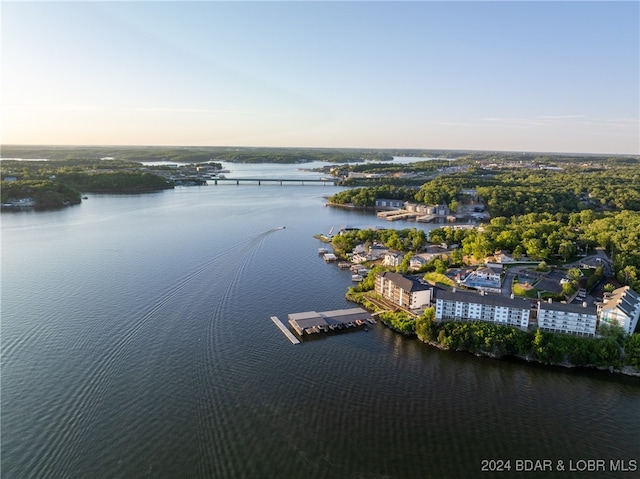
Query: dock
395	215
284	329
310	322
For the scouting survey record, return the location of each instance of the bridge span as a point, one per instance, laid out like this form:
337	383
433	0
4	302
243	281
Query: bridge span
281	181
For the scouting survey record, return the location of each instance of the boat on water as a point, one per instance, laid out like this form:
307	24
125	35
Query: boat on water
281	228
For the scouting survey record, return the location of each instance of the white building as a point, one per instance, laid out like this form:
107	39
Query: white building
392	259
578	319
467	306
405	291
488	273
621	307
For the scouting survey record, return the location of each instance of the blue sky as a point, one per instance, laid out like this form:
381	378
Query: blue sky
522	76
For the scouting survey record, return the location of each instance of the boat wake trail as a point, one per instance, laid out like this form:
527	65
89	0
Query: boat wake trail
216	382
81	407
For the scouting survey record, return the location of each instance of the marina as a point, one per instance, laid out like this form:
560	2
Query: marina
311	322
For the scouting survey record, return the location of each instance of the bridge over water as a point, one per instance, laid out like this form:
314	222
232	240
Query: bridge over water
281	181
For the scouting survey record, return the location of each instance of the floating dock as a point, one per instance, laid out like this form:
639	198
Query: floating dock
284	329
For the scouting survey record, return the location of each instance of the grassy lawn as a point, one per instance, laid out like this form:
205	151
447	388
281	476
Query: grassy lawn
439	278
520	290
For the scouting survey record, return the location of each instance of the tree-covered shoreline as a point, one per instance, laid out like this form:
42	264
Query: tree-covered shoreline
615	351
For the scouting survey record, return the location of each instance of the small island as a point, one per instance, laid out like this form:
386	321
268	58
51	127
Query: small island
45	184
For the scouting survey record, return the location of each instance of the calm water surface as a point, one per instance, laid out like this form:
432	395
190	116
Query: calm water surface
136	342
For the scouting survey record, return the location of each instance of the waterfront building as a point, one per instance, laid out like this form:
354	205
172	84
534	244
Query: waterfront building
467	306
405	291
377	251
385	203
621	307
392	259
416	262
578	319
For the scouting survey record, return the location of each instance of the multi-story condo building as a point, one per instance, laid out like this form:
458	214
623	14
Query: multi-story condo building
621	307
575	319
403	290
467	306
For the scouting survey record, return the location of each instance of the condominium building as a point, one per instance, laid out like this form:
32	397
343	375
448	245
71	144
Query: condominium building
467	306
578	319
405	291
621	307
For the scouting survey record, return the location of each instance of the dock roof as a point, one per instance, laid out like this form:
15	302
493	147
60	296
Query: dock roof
310	319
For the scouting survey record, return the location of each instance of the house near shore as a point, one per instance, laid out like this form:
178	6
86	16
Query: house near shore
404	291
419	260
621	307
377	251
392	258
362	254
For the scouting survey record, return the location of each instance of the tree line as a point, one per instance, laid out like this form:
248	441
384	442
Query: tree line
614	348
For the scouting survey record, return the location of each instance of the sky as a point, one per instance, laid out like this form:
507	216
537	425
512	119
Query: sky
515	76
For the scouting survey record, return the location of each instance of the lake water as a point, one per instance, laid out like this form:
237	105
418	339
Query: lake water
136	342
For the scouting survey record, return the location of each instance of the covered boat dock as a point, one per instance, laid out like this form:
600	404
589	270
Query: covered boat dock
310	322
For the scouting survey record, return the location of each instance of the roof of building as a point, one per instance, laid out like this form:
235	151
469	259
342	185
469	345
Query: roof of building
493	267
625	299
405	282
490	299
486	270
567	307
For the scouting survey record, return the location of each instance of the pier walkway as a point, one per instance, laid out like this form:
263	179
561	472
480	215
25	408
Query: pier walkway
284	329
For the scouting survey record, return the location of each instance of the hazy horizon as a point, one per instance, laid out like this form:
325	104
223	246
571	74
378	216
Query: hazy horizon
357	148
543	77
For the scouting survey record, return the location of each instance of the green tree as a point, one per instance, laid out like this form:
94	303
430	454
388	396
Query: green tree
566	249
573	274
